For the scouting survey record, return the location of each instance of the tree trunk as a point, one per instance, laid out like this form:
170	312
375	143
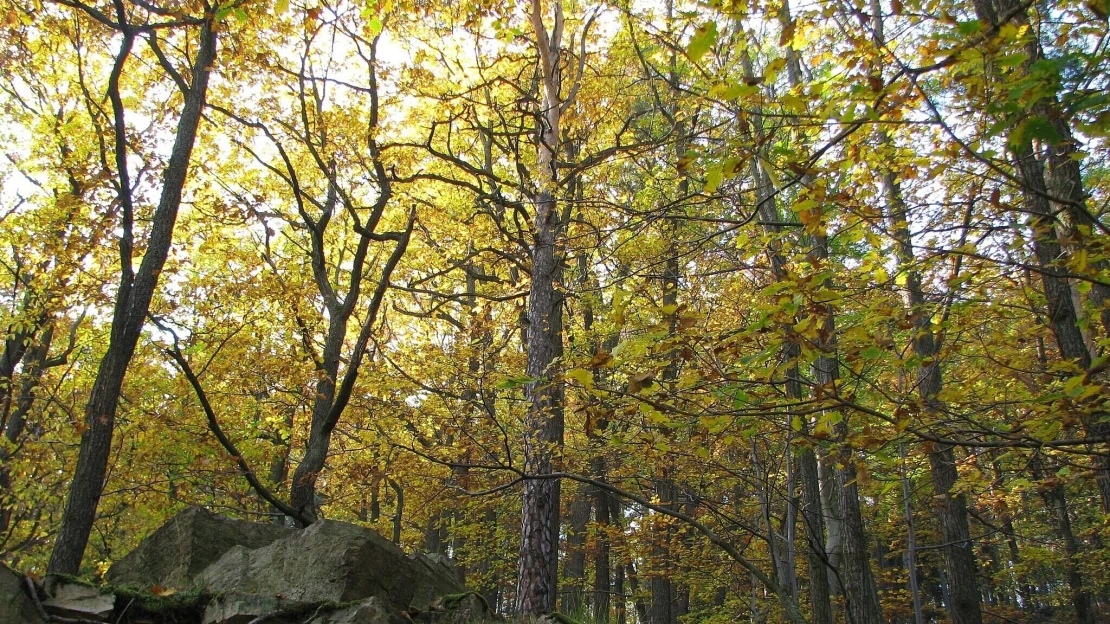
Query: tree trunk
602	564
398	510
574	569
662	588
830	510
1062	313
911	540
132	303
543	423
302	489
959	558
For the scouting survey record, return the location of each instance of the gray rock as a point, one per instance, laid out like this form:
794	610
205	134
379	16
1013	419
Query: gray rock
467	608
369	611
184	546
327	562
435	577
239	608
73	600
15	605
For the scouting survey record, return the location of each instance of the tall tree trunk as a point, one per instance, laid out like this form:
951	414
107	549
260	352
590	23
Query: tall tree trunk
951	508
911	540
398	510
857	580
813	519
783	550
132	299
574	568
302	488
1062	313
959	558
662	588
1056	500
602	589
543	423
855	568
830	511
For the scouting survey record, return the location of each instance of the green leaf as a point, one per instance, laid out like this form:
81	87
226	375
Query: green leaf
516	382
702	41
281	6
770	171
374	26
969	27
871	353
1034	128
1073	387
713	179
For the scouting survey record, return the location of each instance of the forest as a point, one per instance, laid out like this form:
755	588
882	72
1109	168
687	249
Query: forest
645	311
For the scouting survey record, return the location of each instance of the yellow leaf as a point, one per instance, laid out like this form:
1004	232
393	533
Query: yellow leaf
584	377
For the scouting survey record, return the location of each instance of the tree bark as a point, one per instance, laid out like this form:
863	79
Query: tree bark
959	558
132	303
543	422
602	564
1062	313
574	568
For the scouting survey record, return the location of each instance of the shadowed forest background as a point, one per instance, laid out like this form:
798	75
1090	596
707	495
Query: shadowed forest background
648	311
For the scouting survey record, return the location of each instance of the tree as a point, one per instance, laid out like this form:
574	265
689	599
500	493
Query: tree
136	288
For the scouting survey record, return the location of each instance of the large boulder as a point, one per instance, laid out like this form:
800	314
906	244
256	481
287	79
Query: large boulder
16	606
188	543
435	578
330	562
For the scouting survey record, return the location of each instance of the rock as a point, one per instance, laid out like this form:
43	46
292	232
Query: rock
327	562
369	611
184	546
74	600
16	606
329	573
466	608
240	608
435	578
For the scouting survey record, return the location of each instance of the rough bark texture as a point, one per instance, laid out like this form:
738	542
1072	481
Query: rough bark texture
830	510
959	559
1067	186
543	422
661	609
302	489
574	568
1057	502
602	564
819	595
857	581
855	569
133	301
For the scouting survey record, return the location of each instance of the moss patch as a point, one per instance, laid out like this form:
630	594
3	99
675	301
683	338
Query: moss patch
134	604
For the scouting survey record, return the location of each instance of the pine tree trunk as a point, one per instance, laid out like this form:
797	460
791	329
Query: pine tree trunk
537	571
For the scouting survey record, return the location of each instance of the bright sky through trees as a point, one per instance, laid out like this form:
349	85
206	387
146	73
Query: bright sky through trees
648	312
